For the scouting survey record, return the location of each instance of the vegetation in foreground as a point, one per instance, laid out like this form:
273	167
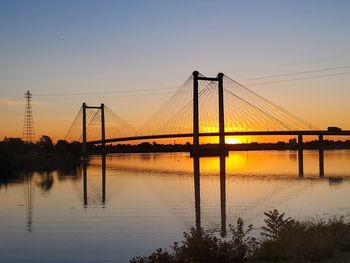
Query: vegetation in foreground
281	240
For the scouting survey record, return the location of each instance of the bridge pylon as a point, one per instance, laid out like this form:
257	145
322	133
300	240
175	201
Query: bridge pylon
222	146
103	128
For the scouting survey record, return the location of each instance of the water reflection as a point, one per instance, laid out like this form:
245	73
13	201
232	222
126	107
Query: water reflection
279	163
335	180
223	194
197	193
156	164
85	198
46	181
153	198
208	164
29	193
103	182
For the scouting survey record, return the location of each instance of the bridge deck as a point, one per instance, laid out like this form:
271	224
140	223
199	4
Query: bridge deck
241	133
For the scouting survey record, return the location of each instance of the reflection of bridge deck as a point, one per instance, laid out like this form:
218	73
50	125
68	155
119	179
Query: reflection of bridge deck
202	152
238	133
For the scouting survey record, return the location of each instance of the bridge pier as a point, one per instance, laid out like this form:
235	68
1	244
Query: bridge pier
321	155
300	155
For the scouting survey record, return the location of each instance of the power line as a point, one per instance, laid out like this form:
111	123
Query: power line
102	92
297	73
109	96
302	78
141	92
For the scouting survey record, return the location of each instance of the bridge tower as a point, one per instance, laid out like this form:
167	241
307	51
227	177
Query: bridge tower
101	108
220	80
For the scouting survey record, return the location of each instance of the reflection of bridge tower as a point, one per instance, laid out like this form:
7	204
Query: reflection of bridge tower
29	192
85	197
220	81
103	167
197	193
103	181
223	194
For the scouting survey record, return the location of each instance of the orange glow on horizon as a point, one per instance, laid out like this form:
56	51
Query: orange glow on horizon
232	140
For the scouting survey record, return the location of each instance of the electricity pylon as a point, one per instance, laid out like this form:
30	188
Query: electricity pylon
28	128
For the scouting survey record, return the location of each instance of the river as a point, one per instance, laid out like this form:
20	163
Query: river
141	202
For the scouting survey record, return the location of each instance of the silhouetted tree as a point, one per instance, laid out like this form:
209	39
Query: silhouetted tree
61	146
45	143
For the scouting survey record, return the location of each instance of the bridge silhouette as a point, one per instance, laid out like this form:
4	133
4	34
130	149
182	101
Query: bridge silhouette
215	107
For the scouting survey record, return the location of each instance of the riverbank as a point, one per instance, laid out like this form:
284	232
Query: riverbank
292	145
16	155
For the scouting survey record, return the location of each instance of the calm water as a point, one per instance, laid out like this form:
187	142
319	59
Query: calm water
147	200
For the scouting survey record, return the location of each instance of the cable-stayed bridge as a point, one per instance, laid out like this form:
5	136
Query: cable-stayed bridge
202	107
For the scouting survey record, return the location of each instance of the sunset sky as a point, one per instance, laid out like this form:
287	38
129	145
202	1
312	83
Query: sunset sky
57	49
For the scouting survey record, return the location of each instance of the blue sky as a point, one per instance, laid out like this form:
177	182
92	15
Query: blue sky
54	47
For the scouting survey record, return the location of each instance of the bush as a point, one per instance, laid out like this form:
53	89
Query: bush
199	247
307	241
283	240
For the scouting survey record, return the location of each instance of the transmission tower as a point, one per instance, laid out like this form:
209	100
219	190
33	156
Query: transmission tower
28	128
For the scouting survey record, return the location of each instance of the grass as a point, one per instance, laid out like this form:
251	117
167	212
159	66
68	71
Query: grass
281	240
